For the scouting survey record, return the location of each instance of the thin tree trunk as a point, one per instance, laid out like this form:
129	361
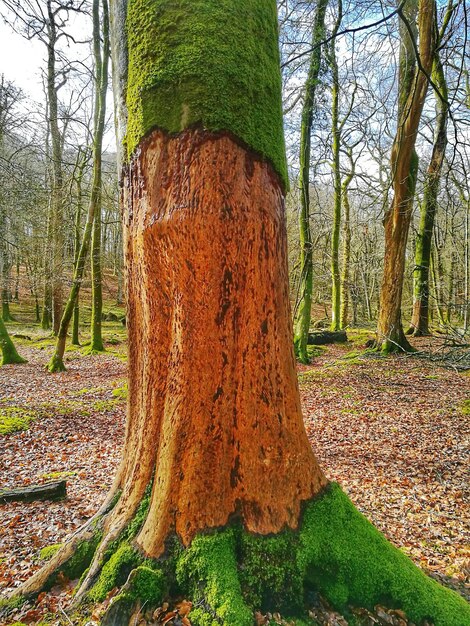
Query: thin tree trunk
336	145
304	310
346	261
435	271
56	363
413	86
78	217
57	208
420	318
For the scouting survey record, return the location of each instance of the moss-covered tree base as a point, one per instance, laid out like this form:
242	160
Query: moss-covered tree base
9	355
56	364
228	574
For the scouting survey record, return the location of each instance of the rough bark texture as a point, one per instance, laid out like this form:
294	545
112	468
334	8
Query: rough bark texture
214	405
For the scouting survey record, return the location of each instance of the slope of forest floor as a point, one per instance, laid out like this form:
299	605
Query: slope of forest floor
390	430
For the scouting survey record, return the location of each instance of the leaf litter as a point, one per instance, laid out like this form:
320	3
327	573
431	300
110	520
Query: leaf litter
391	431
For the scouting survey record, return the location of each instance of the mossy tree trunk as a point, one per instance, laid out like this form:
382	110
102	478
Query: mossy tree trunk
214	438
101	56
304	308
81	162
5	264
346	256
9	353
96	331
412	89
336	128
420	317
56	233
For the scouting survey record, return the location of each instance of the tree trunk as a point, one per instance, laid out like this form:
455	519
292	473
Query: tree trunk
9	353
336	145
413	85
57	208
76	310
56	363
345	287
304	310
5	265
96	342
420	318
217	470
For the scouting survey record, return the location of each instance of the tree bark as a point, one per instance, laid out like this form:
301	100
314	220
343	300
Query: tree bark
413	85
304	310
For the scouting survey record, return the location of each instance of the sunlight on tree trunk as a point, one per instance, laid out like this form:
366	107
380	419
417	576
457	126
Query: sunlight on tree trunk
413	86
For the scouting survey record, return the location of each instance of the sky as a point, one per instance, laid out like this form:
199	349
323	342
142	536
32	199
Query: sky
21	61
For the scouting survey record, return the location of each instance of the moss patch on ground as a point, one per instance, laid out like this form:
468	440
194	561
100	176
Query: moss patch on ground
465	407
203	77
14	419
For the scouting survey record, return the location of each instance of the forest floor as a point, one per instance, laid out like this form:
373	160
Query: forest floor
391	430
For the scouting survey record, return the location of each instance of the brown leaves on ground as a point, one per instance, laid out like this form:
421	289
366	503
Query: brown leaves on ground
389	430
392	432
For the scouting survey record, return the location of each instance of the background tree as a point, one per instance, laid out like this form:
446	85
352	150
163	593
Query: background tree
303	314
412	89
101	56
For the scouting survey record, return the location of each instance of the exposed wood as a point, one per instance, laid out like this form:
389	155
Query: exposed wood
209	323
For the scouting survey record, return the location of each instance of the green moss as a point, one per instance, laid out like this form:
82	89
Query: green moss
82	558
209	63
58	475
56	364
14	419
209	569
46	553
121	393
115	571
269	575
146	584
351	563
465	407
8	604
103	406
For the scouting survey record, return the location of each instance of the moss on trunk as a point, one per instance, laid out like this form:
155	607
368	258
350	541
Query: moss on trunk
7	347
204	77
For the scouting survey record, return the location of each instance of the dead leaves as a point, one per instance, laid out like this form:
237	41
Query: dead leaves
391	432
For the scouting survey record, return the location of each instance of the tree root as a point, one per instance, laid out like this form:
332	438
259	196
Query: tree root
228	573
